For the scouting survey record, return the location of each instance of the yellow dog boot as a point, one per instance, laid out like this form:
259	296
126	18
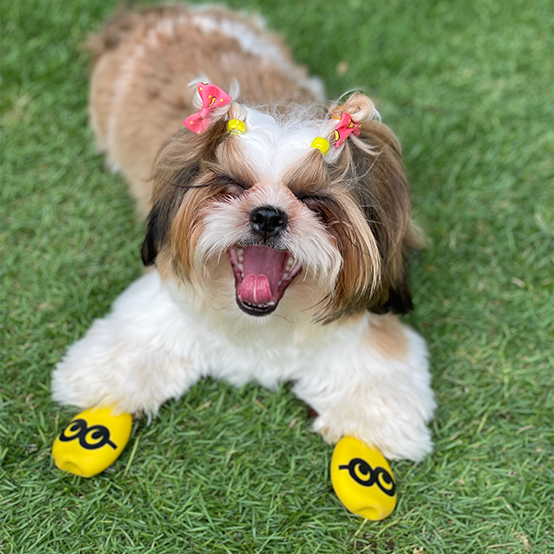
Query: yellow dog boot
92	441
362	479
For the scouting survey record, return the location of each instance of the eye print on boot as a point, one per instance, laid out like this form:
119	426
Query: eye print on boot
362	479
92	441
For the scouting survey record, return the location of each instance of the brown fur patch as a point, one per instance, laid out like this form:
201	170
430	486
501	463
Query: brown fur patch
143	63
387	335
165	266
188	226
377	181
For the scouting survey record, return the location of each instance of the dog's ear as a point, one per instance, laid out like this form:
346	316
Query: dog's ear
383	195
160	219
177	165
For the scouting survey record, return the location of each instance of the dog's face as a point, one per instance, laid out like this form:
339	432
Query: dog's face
247	218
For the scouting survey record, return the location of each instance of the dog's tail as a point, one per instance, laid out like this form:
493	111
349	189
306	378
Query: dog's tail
125	22
114	32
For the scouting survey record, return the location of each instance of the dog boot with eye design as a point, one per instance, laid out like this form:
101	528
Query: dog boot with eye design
362	479
92	441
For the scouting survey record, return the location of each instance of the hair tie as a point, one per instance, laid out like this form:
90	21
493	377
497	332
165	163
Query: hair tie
321	144
212	98
236	126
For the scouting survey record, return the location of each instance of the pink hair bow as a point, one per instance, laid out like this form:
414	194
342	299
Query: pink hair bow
344	129
212	97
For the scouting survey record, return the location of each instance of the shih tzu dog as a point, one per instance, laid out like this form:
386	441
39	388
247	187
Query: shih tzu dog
278	231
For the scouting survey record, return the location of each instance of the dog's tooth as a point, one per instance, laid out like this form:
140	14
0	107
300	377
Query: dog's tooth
290	263
240	254
271	303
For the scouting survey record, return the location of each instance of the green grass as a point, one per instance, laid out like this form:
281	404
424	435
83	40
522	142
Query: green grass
467	86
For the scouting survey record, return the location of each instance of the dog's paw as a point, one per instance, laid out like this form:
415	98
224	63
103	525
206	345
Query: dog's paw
395	438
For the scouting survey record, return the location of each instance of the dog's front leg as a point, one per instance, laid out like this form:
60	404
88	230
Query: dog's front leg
135	358
379	392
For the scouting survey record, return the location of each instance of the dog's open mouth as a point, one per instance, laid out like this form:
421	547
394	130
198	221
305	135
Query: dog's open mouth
262	275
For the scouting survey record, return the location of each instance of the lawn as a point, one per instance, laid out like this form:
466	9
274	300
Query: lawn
467	86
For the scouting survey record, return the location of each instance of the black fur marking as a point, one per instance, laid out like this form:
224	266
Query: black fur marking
399	301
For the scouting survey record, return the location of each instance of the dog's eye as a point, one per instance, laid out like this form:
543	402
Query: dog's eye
320	205
313	201
232	188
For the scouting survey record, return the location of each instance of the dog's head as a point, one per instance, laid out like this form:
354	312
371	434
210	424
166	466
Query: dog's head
266	212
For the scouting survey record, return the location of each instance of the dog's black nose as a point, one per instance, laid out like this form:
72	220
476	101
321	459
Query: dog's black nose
268	221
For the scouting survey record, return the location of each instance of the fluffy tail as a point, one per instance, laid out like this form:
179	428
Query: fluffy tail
122	24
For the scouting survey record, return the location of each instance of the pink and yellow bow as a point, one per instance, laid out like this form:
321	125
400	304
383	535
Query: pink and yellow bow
344	129
212	97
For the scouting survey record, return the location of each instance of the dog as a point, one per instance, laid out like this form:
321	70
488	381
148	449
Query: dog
278	232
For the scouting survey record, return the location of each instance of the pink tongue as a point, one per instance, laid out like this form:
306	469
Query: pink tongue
262	270
255	289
